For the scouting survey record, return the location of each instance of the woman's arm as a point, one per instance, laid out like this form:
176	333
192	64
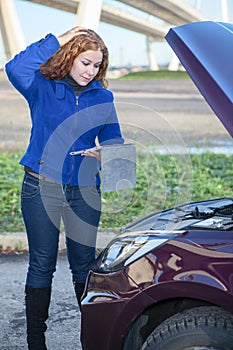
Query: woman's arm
111	132
22	68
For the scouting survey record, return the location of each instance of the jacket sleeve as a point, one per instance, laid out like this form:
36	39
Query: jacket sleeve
22	68
111	131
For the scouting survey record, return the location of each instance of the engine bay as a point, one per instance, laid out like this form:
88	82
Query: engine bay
216	214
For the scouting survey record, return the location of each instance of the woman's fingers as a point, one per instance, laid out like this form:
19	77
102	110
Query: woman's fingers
96	154
67	36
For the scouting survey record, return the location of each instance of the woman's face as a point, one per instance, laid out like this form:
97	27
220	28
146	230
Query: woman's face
86	66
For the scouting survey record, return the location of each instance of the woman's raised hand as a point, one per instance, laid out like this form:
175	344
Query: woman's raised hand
67	36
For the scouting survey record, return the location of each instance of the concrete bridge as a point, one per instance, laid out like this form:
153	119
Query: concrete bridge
90	12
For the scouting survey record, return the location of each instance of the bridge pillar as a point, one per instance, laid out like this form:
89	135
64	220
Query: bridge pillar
151	57
12	34
89	12
225	11
174	62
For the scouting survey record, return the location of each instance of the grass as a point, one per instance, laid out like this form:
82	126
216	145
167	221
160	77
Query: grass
162	182
11	174
160	74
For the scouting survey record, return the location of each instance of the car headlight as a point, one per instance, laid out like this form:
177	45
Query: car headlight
129	247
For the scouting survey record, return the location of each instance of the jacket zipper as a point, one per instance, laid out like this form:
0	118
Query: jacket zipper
72	160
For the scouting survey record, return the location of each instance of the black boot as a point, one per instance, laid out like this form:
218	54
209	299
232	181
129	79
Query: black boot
37	302
79	289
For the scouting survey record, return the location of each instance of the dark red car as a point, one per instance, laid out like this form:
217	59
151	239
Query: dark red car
166	282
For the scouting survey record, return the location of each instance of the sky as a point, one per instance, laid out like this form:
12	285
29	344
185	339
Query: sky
125	47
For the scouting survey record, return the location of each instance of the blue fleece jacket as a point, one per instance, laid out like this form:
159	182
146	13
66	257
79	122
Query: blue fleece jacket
60	124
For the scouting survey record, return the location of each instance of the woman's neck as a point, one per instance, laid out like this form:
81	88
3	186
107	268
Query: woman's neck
78	89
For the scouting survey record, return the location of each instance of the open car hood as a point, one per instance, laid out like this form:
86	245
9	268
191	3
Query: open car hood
205	49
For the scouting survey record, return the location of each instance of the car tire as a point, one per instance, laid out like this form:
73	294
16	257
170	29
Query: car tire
200	328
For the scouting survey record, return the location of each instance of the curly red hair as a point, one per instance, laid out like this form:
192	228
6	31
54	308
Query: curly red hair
60	64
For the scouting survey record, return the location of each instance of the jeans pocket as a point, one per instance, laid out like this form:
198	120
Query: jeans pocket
30	187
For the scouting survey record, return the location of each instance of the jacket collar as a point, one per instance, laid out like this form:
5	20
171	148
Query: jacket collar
60	86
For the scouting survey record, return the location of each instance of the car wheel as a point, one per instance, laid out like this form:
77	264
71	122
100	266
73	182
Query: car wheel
200	328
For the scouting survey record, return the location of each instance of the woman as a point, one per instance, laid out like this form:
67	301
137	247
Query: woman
63	81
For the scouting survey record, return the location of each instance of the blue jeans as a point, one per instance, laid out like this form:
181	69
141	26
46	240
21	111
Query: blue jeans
44	205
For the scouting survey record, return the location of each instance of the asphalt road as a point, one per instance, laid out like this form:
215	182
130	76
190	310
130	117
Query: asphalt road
64	321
